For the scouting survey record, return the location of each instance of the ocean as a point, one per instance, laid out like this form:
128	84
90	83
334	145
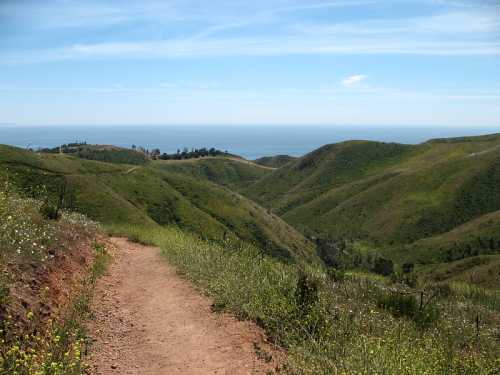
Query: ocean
248	141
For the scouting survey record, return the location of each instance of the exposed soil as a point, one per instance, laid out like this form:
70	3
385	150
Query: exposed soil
46	288
149	321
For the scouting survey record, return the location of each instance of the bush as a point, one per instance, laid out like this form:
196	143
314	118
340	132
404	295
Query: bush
400	304
409	279
442	290
50	212
408	267
336	275
306	293
383	266
427	317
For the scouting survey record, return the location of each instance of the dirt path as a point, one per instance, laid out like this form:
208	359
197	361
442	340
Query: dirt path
131	170
195	160
150	321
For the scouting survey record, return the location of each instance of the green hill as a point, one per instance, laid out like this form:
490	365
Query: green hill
276	161
148	195
391	195
106	153
235	173
430	203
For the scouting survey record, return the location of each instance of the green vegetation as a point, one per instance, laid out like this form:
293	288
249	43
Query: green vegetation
35	337
109	154
135	155
358	324
433	202
408	236
274	161
193	154
155	194
233	173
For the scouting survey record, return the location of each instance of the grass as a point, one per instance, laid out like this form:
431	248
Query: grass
53	347
274	161
482	271
159	193
379	201
385	193
233	173
34	340
426	204
360	325
489	298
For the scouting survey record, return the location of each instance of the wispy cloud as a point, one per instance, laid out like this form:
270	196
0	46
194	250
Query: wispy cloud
172	29
191	48
353	80
483	21
56	14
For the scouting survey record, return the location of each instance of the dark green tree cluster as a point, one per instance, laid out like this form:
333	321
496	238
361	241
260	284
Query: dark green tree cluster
193	154
477	246
67	148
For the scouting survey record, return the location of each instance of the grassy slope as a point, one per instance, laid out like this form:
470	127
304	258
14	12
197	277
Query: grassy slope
317	172
386	193
276	161
468	253
476	237
229	172
357	325
146	195
46	286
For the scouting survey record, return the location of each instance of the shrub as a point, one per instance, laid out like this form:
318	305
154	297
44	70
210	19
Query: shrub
400	304
50	212
442	290
336	275
408	267
383	266
409	279
306	293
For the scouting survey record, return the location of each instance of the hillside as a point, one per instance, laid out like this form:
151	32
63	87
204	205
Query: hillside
276	161
106	153
435	311
48	269
146	195
421	203
388	194
234	173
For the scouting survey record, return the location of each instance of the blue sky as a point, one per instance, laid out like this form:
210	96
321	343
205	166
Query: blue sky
405	62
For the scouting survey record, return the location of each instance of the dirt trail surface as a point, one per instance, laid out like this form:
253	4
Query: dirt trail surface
149	321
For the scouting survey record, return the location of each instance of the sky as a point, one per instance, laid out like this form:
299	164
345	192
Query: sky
366	62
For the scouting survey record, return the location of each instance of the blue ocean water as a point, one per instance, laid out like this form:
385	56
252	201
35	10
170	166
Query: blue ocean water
248	141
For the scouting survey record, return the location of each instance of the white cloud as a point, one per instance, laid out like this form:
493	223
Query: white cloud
483	21
246	46
353	80
261	28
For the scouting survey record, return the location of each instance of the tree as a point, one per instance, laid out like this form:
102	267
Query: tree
155	153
